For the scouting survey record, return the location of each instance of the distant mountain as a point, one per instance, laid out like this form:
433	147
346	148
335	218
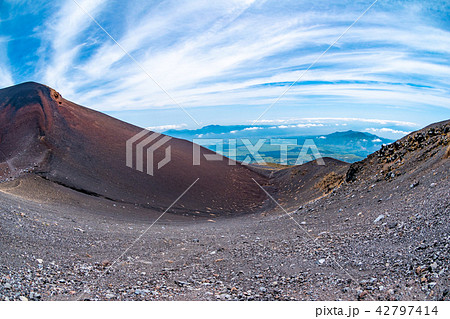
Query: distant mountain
349	135
349	146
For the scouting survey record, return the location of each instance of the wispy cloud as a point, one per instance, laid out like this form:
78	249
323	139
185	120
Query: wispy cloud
386	130
5	72
337	119
64	38
253	128
228	54
162	128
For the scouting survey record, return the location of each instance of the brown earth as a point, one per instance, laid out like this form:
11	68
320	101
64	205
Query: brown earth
42	133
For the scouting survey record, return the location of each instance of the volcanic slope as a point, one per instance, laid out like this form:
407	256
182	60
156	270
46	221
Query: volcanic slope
45	135
378	232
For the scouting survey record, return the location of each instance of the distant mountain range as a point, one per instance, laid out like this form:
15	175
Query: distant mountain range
349	146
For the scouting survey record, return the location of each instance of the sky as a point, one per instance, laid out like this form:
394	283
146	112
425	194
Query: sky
187	64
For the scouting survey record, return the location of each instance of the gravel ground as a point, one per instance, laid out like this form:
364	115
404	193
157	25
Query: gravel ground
375	237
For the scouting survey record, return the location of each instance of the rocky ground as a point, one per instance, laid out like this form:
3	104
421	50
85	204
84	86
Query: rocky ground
378	236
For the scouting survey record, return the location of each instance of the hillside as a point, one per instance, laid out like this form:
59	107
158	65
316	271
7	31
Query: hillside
45	135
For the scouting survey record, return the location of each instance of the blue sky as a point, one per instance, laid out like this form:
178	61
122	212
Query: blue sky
225	62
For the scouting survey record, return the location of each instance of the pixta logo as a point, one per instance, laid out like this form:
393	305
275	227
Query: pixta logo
149	142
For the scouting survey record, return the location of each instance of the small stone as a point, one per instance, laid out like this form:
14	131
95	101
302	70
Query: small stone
35	296
195	240
321	261
105	263
263	289
434	267
433	185
224	296
380	217
181	283
110	296
413	184
392	225
363	294
7	286
23	298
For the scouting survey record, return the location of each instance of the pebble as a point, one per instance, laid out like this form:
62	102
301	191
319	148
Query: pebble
7	286
181	283
392	225
224	296
380	217
40	261
321	261
434	267
34	296
23	298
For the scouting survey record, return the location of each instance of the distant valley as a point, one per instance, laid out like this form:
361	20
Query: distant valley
349	146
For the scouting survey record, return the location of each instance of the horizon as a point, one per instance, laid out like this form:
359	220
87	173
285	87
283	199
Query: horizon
227	63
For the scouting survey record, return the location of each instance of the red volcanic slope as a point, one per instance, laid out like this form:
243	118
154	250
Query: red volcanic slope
42	133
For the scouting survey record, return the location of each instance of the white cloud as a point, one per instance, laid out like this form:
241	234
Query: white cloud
61	35
309	125
311	121
162	128
386	130
376	140
234	53
254	128
5	72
